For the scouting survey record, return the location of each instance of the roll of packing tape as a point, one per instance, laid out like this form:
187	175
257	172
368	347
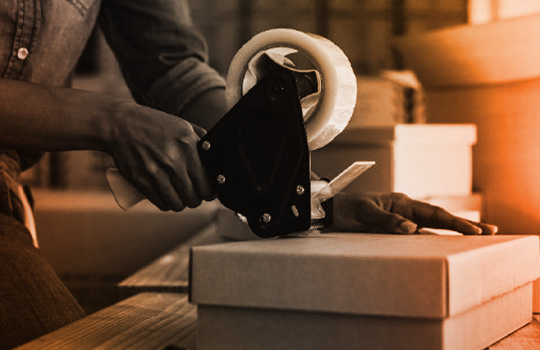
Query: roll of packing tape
331	108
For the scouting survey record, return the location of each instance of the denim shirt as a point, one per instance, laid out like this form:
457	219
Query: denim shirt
162	56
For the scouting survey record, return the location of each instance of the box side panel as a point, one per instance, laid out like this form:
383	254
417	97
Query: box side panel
489	322
478	275
436	134
536	296
505	160
222	328
419	160
243	328
373	286
497	52
329	161
423	170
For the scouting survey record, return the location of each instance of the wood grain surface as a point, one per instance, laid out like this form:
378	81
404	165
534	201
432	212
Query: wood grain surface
526	338
145	321
170	272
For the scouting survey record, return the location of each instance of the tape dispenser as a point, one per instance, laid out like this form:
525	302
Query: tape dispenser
289	93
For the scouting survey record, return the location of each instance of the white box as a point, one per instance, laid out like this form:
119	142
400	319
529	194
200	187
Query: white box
349	291
419	160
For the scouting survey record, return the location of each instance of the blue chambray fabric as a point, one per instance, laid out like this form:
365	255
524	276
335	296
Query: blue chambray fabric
164	61
162	56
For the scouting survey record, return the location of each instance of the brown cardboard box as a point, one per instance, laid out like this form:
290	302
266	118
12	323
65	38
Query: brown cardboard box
506	159
363	290
246	328
491	53
420	160
489	75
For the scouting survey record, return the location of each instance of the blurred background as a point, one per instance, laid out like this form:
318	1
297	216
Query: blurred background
447	106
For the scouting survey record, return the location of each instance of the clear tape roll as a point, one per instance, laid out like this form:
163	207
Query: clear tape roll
337	97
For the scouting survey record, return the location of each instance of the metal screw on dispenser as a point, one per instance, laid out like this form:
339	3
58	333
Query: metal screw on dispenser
300	190
206	145
278	88
221	179
266	218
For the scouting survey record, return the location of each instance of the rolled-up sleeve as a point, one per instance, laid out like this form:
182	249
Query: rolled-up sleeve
163	57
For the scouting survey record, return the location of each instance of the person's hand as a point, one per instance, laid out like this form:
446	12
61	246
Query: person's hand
157	153
397	213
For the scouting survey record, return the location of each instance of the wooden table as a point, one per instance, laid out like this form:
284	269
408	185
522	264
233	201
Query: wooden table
170	272
526	338
161	317
155	321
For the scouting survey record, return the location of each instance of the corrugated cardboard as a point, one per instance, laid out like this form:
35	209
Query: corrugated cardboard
227	328
491	53
370	274
506	159
417	159
494	85
417	283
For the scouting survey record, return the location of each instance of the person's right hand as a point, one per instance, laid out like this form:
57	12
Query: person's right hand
157	153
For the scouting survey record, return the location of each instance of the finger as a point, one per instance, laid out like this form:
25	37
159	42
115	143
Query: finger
163	190
203	184
180	183
151	194
487	229
194	185
200	178
185	175
436	217
390	222
143	185
185	188
198	130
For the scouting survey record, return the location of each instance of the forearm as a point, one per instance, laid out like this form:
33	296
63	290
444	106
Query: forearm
207	109
35	117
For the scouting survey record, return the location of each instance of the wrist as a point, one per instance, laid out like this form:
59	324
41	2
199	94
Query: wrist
206	109
110	121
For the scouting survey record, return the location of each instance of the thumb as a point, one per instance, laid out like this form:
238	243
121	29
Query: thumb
198	130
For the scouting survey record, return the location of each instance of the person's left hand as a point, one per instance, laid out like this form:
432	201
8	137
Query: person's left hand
397	213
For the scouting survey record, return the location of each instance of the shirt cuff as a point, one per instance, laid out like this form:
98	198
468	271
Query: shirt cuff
181	84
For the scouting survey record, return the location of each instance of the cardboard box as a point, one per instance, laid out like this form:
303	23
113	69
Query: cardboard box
85	233
363	290
483	54
483	11
245	328
488	75
420	160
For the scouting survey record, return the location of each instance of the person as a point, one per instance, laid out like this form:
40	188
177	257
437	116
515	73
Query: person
152	139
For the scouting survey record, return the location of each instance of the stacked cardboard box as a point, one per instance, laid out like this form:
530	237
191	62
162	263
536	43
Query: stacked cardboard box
363	291
489	75
420	160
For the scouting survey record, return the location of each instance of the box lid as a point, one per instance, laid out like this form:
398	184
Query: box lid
425	276
492	53
429	134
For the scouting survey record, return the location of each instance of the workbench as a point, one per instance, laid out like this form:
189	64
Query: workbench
159	315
